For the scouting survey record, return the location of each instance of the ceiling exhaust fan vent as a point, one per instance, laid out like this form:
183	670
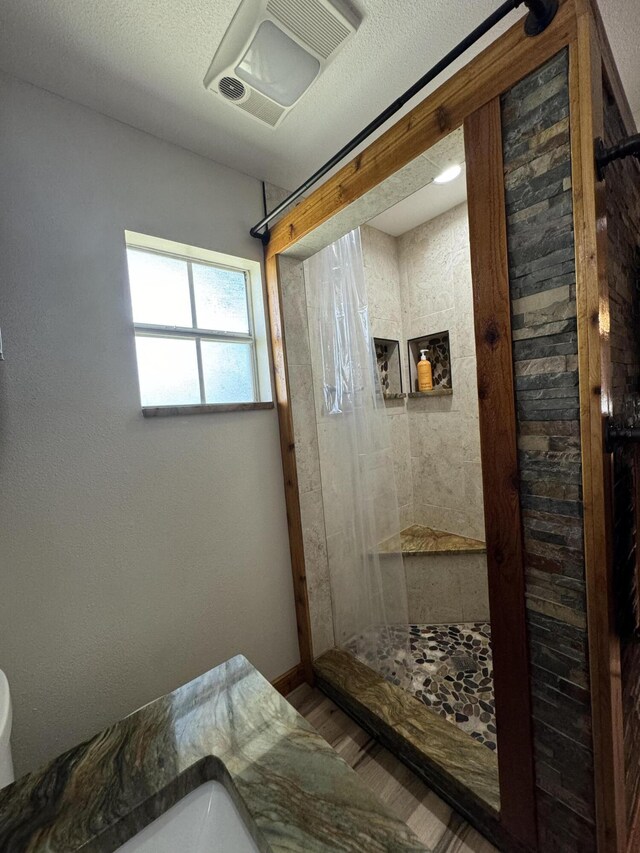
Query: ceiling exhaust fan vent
231	88
312	22
263	108
274	50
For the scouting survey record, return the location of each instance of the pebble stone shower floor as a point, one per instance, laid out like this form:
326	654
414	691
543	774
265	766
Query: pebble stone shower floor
450	669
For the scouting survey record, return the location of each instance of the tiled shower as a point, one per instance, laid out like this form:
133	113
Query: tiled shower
418	285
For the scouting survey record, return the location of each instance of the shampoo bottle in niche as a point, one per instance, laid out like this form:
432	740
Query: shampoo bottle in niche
425	374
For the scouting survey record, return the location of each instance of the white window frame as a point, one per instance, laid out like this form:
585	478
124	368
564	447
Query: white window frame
255	338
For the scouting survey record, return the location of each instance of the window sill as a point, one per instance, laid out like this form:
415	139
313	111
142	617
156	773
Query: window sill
202	409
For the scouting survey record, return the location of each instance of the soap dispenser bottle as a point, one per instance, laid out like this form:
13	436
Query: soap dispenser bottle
425	373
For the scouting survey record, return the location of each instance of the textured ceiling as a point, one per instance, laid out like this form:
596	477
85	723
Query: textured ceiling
422	206
431	199
395	199
143	63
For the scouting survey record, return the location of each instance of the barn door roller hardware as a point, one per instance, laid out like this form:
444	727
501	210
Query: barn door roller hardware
541	13
616	434
629	147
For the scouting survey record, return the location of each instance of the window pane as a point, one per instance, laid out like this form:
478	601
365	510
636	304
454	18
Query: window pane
168	371
221	299
159	289
228	372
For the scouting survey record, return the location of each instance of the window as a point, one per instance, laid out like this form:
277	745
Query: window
197	344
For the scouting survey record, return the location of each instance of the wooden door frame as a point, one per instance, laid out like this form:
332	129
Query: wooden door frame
500	469
467	96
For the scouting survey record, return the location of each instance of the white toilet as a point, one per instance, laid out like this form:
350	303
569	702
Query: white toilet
6	764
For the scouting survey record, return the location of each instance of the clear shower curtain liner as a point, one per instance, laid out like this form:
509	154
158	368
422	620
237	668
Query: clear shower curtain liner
368	584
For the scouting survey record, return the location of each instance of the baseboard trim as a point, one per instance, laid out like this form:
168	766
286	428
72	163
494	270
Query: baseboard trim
289	680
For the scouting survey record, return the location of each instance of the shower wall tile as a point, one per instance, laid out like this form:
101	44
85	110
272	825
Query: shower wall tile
431	405
429	266
463	332
435	438
470	439
317	570
407	514
297	328
465	386
451	521
295	311
336	499
435	282
434	443
447	487
386	513
472	478
315	345
474	588
389	329
401	450
351	612
416	325
433	589
380	256
393	579
393	458
444	588
382	276
304	425
439	481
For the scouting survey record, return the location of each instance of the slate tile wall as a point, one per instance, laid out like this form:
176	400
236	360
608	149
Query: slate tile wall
537	162
623	265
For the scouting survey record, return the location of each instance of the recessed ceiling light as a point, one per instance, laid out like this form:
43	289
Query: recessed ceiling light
449	174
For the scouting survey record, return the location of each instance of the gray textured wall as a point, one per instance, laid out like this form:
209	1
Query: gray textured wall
134	553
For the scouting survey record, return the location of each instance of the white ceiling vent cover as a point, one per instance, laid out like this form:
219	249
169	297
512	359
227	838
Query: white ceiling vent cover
274	50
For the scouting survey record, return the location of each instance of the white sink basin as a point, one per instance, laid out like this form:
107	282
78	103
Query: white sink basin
205	821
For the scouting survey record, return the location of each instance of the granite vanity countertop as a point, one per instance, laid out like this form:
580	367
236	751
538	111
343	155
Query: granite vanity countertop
230	724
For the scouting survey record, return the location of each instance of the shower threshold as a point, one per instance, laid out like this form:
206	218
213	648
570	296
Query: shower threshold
460	768
449	669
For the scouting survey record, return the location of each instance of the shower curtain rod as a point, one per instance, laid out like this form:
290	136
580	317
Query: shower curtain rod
541	13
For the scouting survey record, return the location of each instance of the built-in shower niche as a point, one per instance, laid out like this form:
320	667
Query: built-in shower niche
388	361
439	354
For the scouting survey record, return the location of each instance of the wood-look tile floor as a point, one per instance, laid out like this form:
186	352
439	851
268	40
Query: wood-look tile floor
435	823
